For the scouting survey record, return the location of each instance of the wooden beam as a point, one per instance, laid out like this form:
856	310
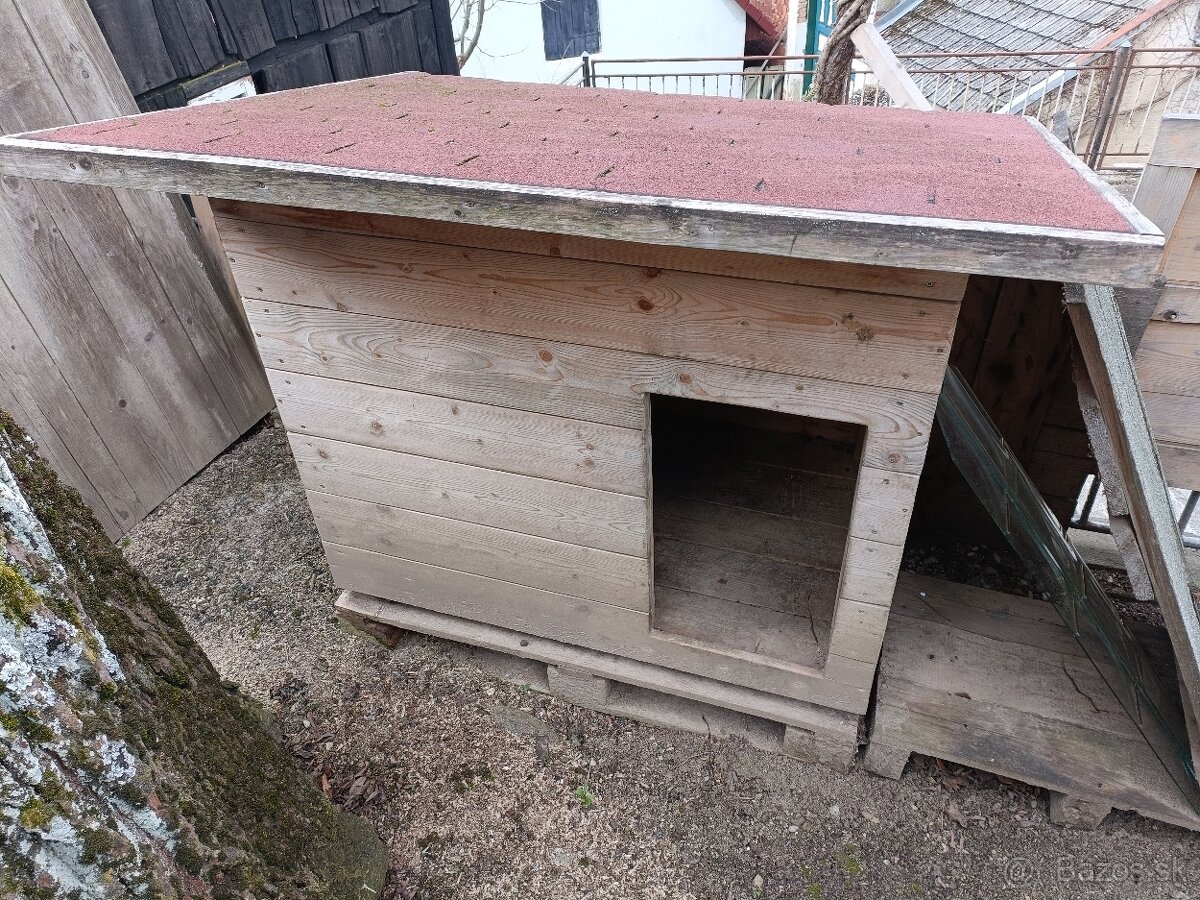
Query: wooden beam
1135	465
950	245
1161	193
877	54
1176	143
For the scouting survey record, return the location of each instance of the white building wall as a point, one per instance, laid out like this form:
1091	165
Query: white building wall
511	49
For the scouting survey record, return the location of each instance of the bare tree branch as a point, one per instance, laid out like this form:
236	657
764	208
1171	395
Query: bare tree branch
471	27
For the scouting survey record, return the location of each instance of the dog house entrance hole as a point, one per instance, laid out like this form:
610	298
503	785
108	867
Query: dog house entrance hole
751	510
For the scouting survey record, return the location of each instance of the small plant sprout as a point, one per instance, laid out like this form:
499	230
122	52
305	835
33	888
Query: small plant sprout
585	796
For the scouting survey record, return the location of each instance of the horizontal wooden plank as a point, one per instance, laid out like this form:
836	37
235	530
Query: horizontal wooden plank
1181	464
858	630
883	503
989	248
818	273
582	623
1114	769
1180	303
928	644
750	531
1178	141
809	500
606	457
869	572
1173	419
986	613
534	506
826	722
748	581
494	552
1168	360
838	334
597	385
752	634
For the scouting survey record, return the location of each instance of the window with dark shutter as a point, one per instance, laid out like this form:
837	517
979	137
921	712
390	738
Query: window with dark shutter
570	27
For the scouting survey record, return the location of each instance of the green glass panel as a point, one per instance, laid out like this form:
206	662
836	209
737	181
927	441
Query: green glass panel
1018	509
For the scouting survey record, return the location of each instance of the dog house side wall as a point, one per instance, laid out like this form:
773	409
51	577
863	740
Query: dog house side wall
467	409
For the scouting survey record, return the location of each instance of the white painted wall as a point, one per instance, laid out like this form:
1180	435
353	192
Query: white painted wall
510	46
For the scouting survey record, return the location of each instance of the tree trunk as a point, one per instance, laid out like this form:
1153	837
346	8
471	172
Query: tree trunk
834	68
126	768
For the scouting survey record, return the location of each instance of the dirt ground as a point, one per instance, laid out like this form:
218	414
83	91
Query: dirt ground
484	788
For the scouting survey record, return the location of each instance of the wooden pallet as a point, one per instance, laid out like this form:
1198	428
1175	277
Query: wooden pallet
635	690
999	683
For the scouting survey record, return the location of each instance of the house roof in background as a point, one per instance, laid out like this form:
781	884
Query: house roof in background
971	27
769	15
982	26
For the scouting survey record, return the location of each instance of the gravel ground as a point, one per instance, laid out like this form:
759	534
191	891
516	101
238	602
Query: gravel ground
485	788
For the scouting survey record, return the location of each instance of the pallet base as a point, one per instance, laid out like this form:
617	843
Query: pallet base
636	690
999	683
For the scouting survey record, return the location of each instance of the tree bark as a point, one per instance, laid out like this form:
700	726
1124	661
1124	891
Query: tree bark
126	768
831	82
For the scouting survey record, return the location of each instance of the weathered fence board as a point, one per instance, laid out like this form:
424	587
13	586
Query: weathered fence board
123	360
165	48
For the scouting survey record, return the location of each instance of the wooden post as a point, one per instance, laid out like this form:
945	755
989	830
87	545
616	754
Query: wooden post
1110	103
1126	449
895	80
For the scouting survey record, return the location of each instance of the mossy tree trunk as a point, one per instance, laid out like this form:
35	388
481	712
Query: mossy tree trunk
126	768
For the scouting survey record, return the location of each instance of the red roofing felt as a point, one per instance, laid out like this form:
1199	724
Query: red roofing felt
965	166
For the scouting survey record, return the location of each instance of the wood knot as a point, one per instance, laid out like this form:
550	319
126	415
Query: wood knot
545	356
685	378
645	305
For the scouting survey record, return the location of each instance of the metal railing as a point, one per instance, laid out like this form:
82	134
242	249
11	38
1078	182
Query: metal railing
1109	102
1091	511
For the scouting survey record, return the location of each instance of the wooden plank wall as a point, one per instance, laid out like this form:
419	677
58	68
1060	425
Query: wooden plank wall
119	355
1013	346
1168	357
173	50
467	407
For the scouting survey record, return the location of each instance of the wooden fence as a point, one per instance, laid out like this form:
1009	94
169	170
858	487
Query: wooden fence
119	354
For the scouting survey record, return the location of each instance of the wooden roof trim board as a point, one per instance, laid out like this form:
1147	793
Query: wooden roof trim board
1009	200
1100	257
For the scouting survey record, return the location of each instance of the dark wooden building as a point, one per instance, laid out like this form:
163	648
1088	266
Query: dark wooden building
172	51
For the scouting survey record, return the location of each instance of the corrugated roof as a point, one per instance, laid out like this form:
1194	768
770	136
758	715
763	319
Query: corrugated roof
972	27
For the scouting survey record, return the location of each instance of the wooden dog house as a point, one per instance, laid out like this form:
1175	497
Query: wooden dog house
622	383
